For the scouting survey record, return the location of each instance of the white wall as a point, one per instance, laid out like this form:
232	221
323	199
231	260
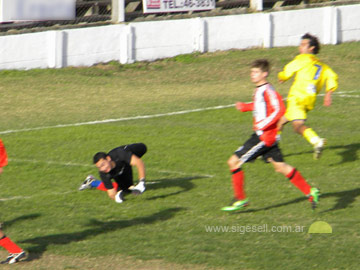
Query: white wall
349	23
161	39
235	32
147	41
84	47
24	51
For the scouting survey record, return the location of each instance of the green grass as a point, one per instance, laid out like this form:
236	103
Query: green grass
186	160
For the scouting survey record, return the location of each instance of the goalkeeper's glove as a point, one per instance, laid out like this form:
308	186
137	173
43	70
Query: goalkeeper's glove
119	197
140	187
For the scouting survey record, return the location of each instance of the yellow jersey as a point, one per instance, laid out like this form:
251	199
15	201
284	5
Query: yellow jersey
310	77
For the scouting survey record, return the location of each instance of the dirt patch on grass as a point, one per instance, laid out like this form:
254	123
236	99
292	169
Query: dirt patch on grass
55	262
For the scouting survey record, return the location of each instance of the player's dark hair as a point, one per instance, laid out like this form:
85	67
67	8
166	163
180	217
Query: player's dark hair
99	156
313	42
263	64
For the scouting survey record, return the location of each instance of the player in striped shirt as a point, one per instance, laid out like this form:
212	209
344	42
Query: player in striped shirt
310	77
268	108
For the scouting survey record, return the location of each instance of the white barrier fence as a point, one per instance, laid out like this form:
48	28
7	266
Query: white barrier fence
148	41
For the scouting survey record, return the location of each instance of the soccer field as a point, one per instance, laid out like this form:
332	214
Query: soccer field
53	121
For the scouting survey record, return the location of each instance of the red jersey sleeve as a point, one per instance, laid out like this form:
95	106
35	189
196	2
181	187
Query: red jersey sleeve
245	107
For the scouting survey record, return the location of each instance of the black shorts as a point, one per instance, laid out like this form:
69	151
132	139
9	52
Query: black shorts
138	149
254	147
125	180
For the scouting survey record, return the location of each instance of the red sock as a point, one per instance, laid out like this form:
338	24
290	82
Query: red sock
9	245
103	188
298	180
3	155
238	184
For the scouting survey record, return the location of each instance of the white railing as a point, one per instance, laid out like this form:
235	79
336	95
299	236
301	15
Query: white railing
148	41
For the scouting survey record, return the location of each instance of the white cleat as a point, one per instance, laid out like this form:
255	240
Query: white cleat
14	258
87	183
318	148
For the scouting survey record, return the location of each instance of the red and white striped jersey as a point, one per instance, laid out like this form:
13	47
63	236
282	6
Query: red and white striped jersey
268	107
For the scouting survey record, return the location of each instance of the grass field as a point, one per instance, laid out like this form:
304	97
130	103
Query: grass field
169	226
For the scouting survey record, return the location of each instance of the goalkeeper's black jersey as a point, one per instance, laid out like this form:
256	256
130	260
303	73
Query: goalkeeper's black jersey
122	158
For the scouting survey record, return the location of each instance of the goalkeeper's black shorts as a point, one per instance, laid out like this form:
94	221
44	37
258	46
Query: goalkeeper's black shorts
125	179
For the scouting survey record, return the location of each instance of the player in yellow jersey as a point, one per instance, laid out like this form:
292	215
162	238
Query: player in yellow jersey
310	77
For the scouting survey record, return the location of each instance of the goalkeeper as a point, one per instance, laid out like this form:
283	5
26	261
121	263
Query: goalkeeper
117	165
310	77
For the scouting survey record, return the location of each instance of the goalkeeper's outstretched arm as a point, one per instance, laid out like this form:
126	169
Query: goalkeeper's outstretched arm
139	164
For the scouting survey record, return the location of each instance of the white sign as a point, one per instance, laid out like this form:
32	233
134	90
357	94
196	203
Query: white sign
160	6
35	10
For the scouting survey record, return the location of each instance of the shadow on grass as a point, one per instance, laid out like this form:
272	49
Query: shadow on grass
349	153
9	223
184	183
41	243
344	200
